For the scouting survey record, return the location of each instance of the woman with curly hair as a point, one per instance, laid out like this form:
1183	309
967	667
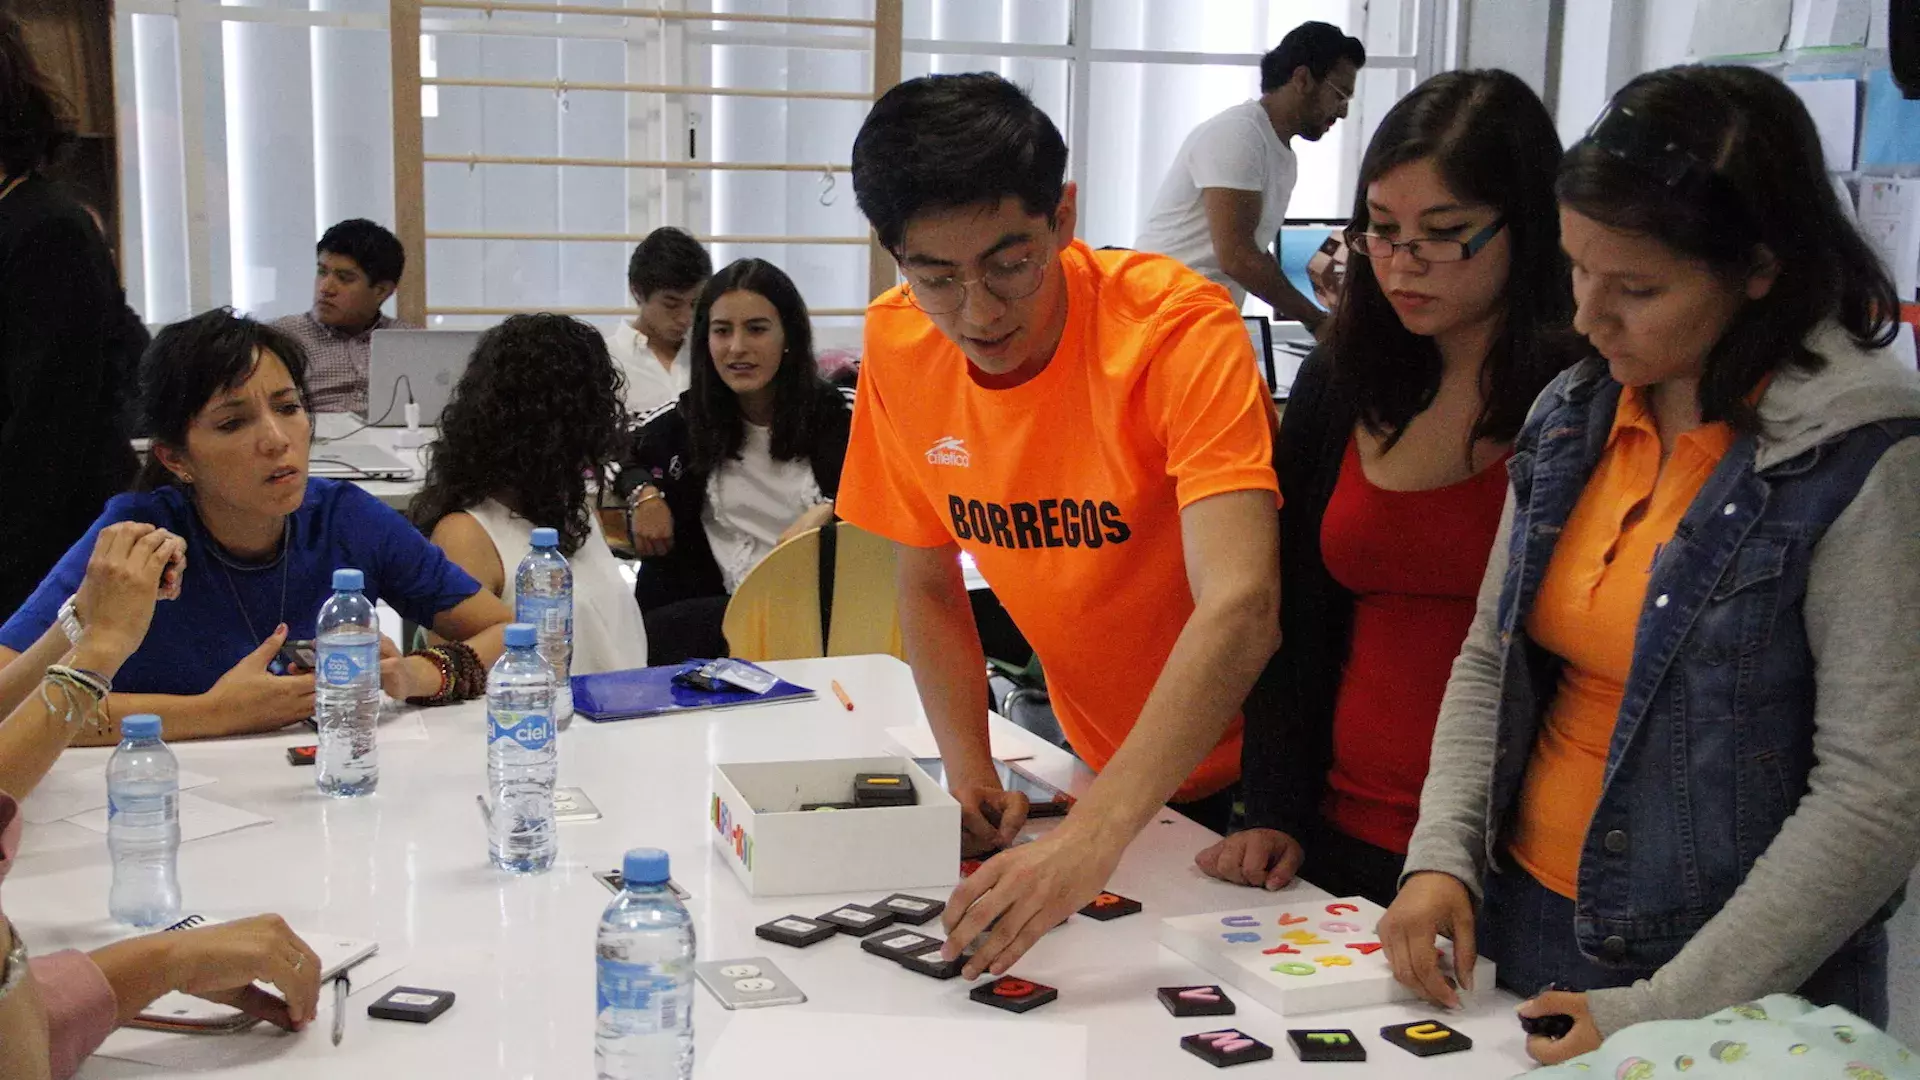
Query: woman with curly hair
524	442
749	456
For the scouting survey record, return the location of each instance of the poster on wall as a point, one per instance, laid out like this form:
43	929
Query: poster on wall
1739	27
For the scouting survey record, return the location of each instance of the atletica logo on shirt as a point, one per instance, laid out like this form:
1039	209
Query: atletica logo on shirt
951	450
1049	523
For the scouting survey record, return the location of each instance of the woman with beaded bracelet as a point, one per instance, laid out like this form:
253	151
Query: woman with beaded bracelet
55	1009
225	398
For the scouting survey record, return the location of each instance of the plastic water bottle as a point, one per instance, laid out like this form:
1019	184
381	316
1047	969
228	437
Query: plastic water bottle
346	690
643	1026
143	826
523	759
543	599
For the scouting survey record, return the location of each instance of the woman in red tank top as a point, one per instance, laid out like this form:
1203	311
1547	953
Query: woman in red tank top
1392	457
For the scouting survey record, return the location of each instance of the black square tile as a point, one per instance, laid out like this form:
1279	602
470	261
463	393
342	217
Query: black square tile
1426	1038
1228	1046
1013	994
1326	1044
796	930
1196	1001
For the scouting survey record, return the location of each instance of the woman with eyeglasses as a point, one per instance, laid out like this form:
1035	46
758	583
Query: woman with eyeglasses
1392	467
749	456
1677	762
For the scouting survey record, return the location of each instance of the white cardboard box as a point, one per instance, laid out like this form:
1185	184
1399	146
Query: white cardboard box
1306	957
776	849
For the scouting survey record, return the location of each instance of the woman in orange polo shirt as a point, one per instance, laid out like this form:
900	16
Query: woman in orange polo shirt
1695	640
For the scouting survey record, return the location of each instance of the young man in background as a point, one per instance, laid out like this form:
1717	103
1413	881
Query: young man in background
1225	198
357	270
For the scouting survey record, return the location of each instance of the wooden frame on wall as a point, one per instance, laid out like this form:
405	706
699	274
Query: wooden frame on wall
410	158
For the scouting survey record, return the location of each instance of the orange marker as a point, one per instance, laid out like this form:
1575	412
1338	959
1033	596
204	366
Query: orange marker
841	693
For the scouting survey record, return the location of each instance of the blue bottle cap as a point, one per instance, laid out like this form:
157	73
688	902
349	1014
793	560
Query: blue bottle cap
141	726
644	866
522	636
546	538
347	579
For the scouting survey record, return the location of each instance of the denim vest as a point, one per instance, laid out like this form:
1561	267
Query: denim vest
1714	740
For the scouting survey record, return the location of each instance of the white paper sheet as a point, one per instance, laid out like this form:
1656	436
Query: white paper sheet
258	1044
918	742
199	818
64	794
800	1044
1739	27
1890	220
1834	105
1818	23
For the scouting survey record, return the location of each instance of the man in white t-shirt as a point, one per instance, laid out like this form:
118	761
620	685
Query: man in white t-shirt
1225	197
665	275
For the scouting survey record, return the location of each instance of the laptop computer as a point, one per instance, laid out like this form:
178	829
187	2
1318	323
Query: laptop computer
356	461
1260	332
417	365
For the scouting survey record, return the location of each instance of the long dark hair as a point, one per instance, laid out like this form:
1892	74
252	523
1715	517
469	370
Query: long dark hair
35	119
1766	184
1493	142
536	415
716	428
189	362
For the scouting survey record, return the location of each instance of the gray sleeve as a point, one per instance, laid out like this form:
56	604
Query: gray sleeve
1451	834
1855	835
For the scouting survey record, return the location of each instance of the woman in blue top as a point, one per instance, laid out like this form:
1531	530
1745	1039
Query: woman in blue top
225	398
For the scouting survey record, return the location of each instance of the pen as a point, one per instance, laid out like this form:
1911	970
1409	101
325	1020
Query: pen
841	693
340	988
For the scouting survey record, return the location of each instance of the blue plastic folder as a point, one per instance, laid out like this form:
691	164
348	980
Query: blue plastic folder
640	692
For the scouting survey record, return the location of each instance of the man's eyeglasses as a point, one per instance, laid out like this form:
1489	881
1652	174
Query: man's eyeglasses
1425	249
947	293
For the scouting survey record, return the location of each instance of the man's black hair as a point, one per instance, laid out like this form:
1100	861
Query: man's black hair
942	141
668	258
1316	46
377	251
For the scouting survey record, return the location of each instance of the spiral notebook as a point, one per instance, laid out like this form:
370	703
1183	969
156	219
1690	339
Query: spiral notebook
641	692
184	1013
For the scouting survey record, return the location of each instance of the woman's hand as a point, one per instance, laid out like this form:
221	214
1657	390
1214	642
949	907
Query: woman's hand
1263	858
1430	904
404	677
815	517
218	963
261	700
131	564
1584	1037
652	528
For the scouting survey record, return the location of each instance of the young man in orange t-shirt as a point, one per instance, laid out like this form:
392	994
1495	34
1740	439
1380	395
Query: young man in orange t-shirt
1091	427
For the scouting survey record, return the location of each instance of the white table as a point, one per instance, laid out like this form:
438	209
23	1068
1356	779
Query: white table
408	867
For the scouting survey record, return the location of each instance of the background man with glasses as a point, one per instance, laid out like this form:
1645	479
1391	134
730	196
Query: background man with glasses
1225	197
1090	427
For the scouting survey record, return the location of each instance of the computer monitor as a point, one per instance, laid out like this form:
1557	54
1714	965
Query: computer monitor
417	365
1260	331
1300	239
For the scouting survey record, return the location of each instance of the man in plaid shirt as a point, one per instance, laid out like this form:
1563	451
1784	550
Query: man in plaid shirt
359	268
